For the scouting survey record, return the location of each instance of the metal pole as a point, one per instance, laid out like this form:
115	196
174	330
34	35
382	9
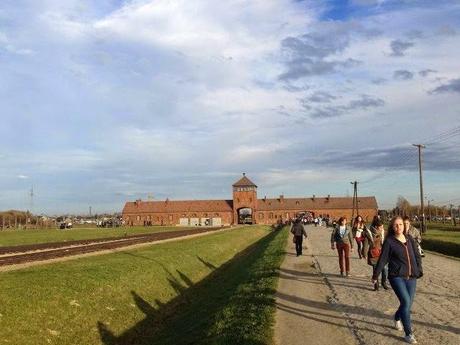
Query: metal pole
420	146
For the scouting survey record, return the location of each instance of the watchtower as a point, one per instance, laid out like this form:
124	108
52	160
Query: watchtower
244	201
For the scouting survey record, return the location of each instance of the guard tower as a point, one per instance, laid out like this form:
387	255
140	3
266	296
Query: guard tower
244	201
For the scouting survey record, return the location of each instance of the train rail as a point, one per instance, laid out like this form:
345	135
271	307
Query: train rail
47	251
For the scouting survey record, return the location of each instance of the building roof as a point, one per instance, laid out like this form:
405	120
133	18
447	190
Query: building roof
244	182
178	206
265	204
315	203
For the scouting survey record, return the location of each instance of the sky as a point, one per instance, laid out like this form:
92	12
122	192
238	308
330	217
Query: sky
108	101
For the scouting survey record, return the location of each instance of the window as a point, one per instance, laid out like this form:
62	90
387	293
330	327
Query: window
250	199
270	215
216	214
183	215
261	216
138	218
170	217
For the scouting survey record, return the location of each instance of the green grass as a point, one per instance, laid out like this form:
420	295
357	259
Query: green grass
20	237
442	241
441	226
216	289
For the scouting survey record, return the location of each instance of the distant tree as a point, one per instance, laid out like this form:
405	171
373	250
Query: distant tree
403	207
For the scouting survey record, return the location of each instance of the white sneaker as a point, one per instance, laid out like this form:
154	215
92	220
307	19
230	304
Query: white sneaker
399	325
410	339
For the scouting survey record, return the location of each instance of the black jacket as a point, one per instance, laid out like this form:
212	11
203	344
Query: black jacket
403	259
298	230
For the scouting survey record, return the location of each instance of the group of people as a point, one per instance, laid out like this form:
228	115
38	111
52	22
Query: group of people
394	254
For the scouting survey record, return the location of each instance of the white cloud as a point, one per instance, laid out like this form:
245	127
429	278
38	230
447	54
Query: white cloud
158	93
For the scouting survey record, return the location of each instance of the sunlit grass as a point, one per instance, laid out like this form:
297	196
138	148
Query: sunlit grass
108	297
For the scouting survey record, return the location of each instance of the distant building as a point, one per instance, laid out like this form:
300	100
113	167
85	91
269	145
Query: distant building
244	208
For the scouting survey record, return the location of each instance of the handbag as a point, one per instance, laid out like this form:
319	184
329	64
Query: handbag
375	252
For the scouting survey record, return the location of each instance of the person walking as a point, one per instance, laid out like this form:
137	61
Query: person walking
299	232
415	233
341	238
404	267
372	248
358	233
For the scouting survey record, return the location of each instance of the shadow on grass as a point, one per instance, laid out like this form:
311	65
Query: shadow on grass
233	305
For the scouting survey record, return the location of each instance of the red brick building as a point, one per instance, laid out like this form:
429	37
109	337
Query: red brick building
244	207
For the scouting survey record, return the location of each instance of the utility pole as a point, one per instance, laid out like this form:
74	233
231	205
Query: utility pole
452	219
429	209
355	201
90	212
422	208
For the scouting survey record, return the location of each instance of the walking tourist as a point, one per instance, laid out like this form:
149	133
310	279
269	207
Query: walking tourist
373	241
414	232
341	238
299	232
404	267
357	230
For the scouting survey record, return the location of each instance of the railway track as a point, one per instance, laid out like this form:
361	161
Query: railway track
46	251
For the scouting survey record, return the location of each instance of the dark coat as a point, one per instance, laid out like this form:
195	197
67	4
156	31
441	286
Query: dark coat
403	259
298	230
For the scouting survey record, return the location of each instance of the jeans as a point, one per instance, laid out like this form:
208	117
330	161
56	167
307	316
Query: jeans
298	245
384	273
405	291
359	244
344	255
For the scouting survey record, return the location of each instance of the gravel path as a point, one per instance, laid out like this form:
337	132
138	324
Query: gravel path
317	306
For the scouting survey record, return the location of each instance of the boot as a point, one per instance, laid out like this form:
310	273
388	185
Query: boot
376	286
385	285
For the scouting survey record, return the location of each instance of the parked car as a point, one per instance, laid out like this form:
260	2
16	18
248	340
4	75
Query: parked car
65	225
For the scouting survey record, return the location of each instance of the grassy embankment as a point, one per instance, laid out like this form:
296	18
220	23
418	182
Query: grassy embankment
216	289
20	237
442	238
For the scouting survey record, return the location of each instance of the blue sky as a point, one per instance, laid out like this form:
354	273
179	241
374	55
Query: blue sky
108	101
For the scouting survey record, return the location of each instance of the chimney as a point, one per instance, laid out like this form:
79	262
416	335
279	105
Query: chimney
138	201
313	197
167	200
328	197
265	198
281	198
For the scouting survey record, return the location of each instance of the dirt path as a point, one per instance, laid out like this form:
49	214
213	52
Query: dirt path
317	306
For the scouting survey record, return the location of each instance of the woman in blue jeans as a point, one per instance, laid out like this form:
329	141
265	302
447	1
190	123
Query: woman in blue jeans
400	252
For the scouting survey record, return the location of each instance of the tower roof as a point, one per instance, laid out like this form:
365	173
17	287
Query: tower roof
244	182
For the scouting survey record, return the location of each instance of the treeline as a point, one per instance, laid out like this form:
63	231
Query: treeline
21	219
432	212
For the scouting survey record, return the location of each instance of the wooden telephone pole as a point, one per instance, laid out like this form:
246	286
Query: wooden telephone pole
355	201
422	206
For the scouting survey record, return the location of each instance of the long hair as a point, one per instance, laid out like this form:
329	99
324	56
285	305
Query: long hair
375	220
356	222
391	227
341	219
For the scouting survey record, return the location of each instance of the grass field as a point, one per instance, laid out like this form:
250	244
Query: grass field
442	241
216	289
19	237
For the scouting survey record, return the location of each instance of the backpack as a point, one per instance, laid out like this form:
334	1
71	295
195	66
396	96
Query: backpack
376	248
